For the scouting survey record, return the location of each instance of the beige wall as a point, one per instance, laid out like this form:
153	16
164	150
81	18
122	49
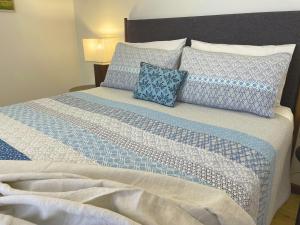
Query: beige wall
176	8
38	50
96	18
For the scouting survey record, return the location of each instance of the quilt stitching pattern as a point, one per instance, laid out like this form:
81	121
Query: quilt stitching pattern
181	164
110	148
7	152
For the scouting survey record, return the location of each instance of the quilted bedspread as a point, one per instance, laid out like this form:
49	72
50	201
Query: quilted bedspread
82	128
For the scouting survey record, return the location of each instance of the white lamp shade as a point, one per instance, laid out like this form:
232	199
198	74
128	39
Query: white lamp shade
100	50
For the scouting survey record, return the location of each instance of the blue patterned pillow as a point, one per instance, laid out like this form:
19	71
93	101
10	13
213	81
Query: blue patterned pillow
231	81
123	72
158	85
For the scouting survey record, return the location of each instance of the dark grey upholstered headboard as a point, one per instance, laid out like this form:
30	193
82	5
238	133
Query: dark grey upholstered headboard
252	29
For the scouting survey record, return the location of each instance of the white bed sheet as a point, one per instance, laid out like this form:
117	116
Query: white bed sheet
276	131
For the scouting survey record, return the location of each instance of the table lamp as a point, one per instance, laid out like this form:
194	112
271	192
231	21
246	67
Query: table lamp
101	52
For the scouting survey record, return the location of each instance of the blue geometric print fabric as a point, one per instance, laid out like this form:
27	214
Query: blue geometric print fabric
125	136
7	152
158	85
123	72
235	82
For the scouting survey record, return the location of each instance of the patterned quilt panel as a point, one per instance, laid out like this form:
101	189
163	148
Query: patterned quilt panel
83	128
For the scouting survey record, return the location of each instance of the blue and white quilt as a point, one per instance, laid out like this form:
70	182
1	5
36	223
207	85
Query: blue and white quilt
83	128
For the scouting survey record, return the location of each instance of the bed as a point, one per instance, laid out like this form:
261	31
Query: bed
244	155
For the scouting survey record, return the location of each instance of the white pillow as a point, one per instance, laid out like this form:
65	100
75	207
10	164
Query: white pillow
249	50
164	45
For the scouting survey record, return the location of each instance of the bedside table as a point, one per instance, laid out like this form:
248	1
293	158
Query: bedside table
100	73
82	88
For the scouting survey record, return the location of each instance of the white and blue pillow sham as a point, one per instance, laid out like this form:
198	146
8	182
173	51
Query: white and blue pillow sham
124	69
231	81
250	50
158	84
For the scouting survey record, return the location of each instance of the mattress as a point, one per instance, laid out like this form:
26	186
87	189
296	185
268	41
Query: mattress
245	155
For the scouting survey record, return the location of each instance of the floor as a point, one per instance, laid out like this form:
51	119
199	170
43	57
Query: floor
286	215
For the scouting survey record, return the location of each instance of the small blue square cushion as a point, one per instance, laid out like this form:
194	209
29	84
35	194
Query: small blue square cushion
159	85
